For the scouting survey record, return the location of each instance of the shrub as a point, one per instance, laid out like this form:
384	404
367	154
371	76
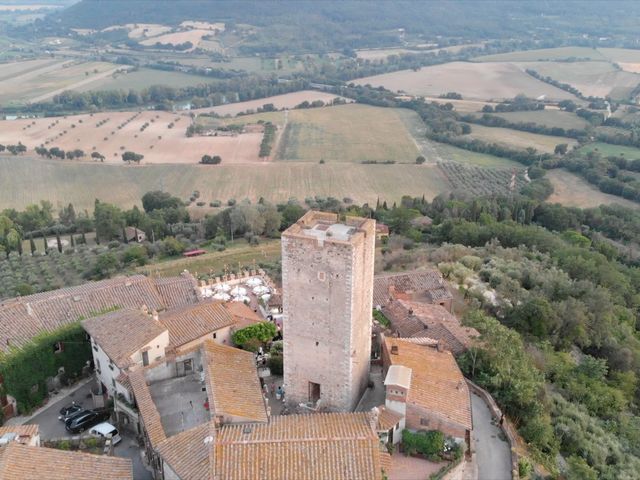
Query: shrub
429	443
276	364
262	332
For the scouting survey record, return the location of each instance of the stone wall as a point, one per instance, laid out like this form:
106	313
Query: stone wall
327	297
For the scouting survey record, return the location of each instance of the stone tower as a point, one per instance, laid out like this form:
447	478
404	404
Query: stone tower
327	275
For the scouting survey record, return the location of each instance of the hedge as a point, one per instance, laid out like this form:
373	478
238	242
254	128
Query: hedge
25	370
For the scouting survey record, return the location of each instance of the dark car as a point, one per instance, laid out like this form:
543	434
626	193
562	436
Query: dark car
82	422
69	411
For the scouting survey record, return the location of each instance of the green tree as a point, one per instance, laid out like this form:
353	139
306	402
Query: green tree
106	265
262	332
109	221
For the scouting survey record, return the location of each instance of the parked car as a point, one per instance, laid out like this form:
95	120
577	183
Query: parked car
69	410
86	420
106	430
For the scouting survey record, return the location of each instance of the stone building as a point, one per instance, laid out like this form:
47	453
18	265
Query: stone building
327	273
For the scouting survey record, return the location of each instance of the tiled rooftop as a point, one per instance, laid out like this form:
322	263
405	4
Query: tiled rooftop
23	318
437	383
187	454
191	322
123	332
232	382
21	462
427	283
328	446
417	319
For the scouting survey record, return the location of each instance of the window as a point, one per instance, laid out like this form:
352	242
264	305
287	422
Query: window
424	422
98	365
145	358
322	276
215	335
113	382
314	392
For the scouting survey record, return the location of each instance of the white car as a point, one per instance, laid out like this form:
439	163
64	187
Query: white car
106	430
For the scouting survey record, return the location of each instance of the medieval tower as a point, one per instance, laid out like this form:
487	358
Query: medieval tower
327	275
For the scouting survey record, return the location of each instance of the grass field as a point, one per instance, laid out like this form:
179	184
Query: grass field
237	253
25	180
598	79
145	78
606	149
475	81
346	133
573	191
548	118
33	82
544	54
621	55
518	139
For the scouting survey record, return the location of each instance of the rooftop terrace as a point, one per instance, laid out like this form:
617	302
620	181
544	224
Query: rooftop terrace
180	403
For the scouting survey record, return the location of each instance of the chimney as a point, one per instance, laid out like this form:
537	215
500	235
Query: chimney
440	346
394	350
411	311
154	314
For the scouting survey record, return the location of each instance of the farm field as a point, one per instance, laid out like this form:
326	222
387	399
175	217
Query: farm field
146	132
518	139
545	54
548	118
194	36
571	190
346	133
287	100
34	179
462	106
607	149
145	78
14	69
599	79
449	153
239	252
382	53
474	81
38	82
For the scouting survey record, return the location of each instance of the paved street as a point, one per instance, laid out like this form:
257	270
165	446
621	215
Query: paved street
493	455
51	427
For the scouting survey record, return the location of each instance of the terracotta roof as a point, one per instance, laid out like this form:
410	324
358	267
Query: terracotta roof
417	319
177	291
242	314
187	454
385	459
146	406
123	332
29	430
387	419
21	462
437	383
233	385
23	318
326	446
194	321
427	283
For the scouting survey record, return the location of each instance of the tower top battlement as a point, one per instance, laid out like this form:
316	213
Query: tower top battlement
329	227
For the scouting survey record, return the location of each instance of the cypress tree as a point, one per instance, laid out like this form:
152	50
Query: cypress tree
72	241
58	241
32	244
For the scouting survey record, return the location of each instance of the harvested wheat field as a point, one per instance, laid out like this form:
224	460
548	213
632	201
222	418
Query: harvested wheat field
159	136
475	81
573	191
287	100
598	79
517	139
26	180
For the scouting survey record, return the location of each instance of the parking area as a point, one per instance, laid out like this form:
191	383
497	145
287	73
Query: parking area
51	427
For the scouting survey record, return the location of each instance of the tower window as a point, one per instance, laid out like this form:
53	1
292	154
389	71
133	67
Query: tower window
322	276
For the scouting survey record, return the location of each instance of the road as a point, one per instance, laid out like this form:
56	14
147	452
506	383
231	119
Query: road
493	455
51	427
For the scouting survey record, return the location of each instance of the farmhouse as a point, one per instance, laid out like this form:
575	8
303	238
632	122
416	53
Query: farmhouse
133	234
420	285
418	319
424	384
